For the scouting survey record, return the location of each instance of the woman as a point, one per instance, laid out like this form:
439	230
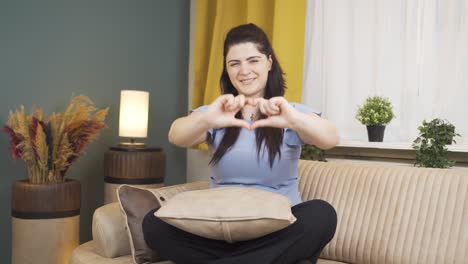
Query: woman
255	137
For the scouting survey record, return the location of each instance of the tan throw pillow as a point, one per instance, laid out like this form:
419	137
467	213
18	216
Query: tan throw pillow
228	213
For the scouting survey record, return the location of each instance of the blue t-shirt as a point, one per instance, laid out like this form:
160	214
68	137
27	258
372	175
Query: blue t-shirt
241	166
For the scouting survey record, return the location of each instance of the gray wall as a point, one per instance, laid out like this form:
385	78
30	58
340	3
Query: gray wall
51	50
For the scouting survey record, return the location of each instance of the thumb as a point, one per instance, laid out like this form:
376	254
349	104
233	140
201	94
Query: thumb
261	123
240	123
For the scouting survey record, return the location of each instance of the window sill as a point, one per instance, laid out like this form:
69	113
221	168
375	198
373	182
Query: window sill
394	146
389	152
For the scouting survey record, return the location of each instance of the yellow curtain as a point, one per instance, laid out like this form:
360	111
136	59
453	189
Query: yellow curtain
282	20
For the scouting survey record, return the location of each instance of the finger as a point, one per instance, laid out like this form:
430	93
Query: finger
223	100
281	102
235	105
241	101
261	123
273	106
230	105
232	102
240	123
220	101
238	104
271	109
262	108
272	121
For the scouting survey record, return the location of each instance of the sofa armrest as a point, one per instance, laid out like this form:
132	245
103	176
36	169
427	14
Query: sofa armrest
109	231
110	228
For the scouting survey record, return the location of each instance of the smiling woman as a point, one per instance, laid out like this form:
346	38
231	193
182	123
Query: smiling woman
248	69
262	153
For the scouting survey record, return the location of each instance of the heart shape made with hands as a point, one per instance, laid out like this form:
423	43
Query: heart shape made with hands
277	109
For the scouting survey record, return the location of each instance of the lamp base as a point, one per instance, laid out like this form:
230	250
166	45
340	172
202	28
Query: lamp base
132	145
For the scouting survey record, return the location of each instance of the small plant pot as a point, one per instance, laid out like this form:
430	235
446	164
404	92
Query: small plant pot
45	221
375	133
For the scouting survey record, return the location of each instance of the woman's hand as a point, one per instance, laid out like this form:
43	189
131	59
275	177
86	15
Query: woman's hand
192	129
311	128
221	113
279	112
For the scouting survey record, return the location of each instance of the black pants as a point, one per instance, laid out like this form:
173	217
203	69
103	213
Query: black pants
304	240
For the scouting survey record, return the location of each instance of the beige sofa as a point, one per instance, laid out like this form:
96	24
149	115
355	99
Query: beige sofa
386	214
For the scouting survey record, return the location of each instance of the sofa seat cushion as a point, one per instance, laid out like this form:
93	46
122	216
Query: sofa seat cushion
327	261
86	254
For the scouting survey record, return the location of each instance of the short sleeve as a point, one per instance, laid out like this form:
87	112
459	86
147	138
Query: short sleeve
305	109
291	138
202	108
211	131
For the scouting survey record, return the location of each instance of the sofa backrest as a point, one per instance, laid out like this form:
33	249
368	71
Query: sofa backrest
391	214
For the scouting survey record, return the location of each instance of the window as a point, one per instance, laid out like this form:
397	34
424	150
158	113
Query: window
413	52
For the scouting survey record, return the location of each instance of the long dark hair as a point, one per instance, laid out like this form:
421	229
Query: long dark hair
275	86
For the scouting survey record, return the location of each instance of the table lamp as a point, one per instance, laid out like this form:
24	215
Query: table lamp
133	117
132	162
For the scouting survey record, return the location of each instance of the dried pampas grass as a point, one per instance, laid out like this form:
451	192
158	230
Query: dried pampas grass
49	147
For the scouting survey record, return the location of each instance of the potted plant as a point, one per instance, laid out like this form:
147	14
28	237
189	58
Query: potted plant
375	114
312	152
45	200
430	145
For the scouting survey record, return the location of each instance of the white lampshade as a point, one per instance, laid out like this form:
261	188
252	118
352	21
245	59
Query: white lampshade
133	118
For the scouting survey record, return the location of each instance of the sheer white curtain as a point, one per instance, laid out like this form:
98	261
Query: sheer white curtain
415	52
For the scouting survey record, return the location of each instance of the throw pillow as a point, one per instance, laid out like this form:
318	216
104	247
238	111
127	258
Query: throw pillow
228	213
136	202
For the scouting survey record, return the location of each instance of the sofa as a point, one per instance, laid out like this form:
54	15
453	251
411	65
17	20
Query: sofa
386	214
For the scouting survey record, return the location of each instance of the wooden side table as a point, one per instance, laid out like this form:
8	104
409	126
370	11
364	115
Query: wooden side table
141	167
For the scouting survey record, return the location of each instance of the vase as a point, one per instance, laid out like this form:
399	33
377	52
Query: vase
375	133
45	221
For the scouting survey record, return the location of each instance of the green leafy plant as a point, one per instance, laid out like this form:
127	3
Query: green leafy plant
430	145
312	152
375	111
